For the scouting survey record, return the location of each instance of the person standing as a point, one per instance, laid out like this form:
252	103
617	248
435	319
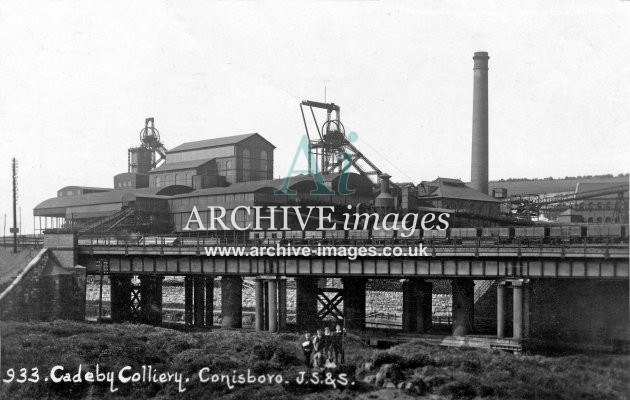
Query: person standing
328	343
307	349
318	346
337	343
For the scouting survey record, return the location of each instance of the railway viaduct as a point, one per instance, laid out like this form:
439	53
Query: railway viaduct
553	292
544	292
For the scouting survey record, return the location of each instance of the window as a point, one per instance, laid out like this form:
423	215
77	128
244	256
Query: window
246	164
599	220
246	159
263	163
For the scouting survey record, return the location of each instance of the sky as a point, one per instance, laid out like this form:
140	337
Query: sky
77	80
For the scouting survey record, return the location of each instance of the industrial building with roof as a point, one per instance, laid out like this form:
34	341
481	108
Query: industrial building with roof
608	208
228	172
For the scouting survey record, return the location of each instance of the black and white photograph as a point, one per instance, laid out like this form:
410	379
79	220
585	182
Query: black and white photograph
188	214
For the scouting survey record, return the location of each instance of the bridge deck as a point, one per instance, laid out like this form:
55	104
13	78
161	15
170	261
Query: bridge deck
592	261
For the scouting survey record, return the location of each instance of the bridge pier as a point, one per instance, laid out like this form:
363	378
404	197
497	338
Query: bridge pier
259	301
526	299
463	290
199	306
354	303
417	305
517	323
151	299
120	297
265	307
501	310
231	301
520	308
271	304
282	304
209	321
188	300
306	303
273	310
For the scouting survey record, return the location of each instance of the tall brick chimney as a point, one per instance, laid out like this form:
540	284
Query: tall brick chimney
479	165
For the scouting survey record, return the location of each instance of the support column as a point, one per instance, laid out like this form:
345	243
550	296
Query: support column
463	306
120	294
231	301
417	305
259	302
501	310
425	306
526	296
409	306
282	304
209	320
188	300
306	303
151	298
199	305
354	303
265	307
273	309
518	311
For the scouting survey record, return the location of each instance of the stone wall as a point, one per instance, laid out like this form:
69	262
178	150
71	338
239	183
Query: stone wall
575	310
45	290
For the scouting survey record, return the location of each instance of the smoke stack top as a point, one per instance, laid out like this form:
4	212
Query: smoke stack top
479	165
384	199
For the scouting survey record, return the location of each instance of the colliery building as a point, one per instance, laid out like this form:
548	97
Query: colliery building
229	172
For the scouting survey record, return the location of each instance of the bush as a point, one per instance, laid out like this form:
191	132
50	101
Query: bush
387	358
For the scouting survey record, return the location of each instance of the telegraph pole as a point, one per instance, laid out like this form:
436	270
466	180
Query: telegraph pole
15	229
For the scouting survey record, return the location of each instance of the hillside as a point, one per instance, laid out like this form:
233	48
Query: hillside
550	185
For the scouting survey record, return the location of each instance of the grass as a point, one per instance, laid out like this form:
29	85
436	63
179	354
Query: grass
442	372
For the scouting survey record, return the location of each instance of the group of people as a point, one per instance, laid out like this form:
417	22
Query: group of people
324	349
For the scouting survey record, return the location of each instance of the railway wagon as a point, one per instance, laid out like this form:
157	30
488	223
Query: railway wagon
434	235
602	233
337	236
497	234
408	235
293	237
358	235
531	233
566	233
383	236
464	235
201	241
313	237
264	237
159	241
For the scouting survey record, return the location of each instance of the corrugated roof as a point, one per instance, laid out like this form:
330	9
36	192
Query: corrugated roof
216	142
175	166
113	196
86	188
454	189
246	187
254	186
